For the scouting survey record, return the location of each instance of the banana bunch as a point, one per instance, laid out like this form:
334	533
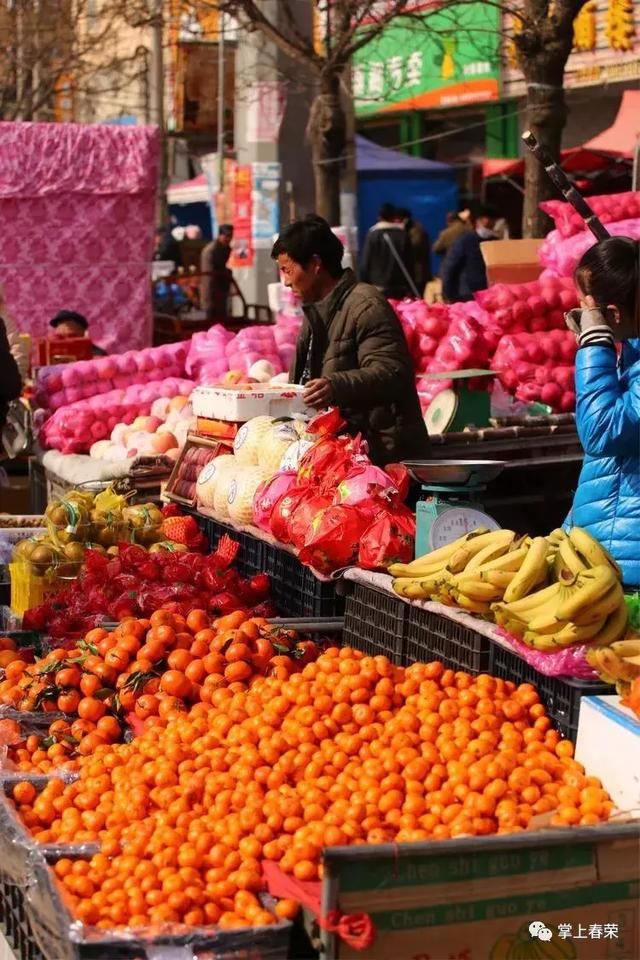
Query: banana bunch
579	608
470	572
619	663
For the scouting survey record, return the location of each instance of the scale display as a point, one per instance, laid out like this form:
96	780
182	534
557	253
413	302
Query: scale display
455	522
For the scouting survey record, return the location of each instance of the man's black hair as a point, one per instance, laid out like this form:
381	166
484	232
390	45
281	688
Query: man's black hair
69	316
388	212
311	237
226	230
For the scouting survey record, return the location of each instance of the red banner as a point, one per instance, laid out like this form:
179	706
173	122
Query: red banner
242	253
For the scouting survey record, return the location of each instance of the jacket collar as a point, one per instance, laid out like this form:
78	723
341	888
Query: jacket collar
326	309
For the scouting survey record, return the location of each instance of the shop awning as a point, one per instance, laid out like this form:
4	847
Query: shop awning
576	160
622	137
189	191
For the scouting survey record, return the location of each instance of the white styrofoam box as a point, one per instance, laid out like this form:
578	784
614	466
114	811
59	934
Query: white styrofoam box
608	747
242	404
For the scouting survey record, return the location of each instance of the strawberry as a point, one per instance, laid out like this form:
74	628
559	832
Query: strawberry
180	529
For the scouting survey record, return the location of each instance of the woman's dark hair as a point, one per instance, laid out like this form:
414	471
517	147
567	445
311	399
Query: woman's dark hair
311	237
609	272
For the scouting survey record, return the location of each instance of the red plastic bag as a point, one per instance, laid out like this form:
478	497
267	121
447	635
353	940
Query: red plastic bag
329	453
389	539
333	544
364	483
329	423
281	513
303	517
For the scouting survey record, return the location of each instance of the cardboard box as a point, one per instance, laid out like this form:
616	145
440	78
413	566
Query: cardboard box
608	746
511	261
475	899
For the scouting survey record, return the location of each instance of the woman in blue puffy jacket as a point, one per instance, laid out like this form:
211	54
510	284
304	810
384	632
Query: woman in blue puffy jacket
607	501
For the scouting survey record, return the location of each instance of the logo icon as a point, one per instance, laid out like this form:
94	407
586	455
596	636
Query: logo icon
538	931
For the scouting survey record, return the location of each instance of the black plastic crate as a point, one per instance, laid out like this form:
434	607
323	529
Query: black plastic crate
375	623
14	922
295	590
250	559
431	636
560	695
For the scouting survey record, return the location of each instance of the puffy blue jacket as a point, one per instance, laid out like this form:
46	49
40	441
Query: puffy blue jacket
607	501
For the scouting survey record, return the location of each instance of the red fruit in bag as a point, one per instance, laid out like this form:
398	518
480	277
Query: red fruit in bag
389	539
334	542
363	483
281	513
302	518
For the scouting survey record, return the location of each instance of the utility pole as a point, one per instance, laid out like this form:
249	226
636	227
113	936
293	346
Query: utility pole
157	103
221	93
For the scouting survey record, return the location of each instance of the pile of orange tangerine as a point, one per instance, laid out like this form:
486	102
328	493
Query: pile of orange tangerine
351	750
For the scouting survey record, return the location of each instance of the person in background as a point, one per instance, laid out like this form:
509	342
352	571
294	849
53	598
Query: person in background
68	324
387	257
607	499
215	283
455	227
463	270
351	352
10	381
501	229
18	345
166	247
420	250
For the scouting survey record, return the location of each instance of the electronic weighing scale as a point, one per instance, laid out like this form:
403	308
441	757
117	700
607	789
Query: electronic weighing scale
450	506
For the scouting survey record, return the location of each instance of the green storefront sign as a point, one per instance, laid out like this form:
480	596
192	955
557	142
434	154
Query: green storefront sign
447	57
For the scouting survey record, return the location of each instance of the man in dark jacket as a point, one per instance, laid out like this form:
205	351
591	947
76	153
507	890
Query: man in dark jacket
387	260
351	351
464	271
10	383
216	277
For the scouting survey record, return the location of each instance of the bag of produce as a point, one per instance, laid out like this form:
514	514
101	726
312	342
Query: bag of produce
242	491
363	484
334	539
282	511
302	518
249	438
389	539
609	208
268	494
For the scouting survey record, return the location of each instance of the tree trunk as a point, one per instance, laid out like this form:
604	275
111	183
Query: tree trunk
326	131
546	117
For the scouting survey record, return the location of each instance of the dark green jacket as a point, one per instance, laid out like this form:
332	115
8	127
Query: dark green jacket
354	339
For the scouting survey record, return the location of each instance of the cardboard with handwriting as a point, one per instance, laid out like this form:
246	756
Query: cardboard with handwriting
562	895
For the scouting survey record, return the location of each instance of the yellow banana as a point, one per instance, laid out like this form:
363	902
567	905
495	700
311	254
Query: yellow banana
461	557
615	627
532	569
439	556
606	606
476	589
568	636
498	578
471	605
409	570
593	552
606	664
626	649
591	585
509	561
567	559
556	537
491	552
517	608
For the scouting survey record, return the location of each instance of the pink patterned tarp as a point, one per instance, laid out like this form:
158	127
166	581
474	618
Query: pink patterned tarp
76	227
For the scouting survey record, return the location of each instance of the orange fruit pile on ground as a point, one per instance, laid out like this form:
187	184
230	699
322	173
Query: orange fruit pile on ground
148	668
351	750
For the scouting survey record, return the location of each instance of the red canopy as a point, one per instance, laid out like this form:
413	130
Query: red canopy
572	161
622	137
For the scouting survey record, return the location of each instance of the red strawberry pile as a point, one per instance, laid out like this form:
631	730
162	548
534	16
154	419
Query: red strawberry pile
135	583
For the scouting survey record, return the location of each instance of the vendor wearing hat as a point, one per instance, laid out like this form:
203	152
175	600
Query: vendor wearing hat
68	325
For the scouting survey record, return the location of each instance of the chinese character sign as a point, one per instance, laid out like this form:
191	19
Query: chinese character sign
242	252
450	58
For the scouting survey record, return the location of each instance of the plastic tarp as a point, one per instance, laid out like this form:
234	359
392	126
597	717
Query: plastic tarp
189	191
76	227
623	135
372	158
